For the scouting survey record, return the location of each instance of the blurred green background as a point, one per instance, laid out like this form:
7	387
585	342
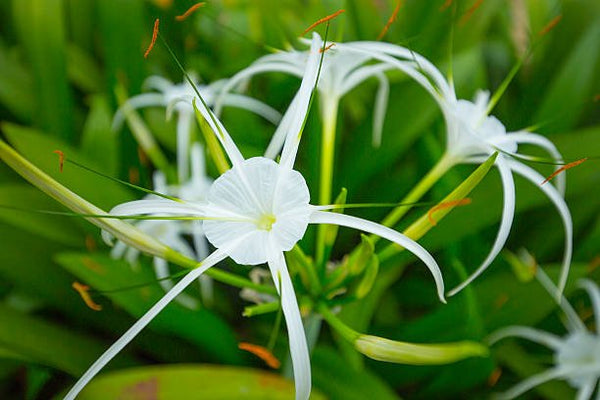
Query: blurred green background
60	61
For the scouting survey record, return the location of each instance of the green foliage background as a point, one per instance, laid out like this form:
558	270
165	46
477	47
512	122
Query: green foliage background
59	63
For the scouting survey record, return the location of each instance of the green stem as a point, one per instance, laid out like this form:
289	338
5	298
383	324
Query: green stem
329	111
344	330
438	170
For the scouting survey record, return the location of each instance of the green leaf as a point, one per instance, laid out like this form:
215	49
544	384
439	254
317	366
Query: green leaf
201	327
98	141
190	382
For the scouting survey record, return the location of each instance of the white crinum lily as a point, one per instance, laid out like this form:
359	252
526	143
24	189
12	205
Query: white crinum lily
472	136
255	212
179	97
576	355
173	233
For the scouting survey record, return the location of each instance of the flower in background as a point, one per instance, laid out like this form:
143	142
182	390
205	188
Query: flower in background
179	97
472	136
576	355
174	233
255	212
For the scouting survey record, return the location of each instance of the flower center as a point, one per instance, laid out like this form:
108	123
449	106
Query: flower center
265	222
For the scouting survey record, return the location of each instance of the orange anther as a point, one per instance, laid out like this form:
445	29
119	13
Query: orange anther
61	159
597	97
322	50
390	21
90	243
190	11
467	15
322	20
444	205
594	264
500	301
564	168
134	175
262	353
154	36
83	291
550	25
447	4
494	377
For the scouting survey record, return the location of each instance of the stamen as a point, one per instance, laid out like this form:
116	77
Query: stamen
61	159
262	353
322	20
134	175
597	97
190	11
444	205
390	21
500	301
564	168
550	25
90	243
467	15
593	265
324	49
445	6
143	157
93	265
494	377
83	291
154	36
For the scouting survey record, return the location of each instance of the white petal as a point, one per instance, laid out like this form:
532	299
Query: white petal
276	143
290	147
321	217
594	294
139	101
141	323
169	207
360	75
253	105
381	102
547	339
546	144
563	210
586	391
293	320
532	381
508	213
574	323
158	83
198	162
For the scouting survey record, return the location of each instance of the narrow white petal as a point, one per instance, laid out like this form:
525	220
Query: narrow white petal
530	382
586	391
198	162
594	294
168	207
563	210
547	339
158	83
290	147
546	144
360	75
508	213
322	217
276	143
253	105
381	102
139	101
184	126
293	320
141	323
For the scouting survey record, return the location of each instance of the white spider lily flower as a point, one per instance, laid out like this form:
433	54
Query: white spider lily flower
255	212
179	97
342	71
576	355
173	233
472	136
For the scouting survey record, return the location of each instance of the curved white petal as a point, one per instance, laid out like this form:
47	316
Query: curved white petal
161	269
198	162
184	126
322	217
293	320
563	210
360	75
594	294
508	213
532	381
547	339
253	105
141	323
276	143
139	101
157	83
168	207
546	144
292	141
381	102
